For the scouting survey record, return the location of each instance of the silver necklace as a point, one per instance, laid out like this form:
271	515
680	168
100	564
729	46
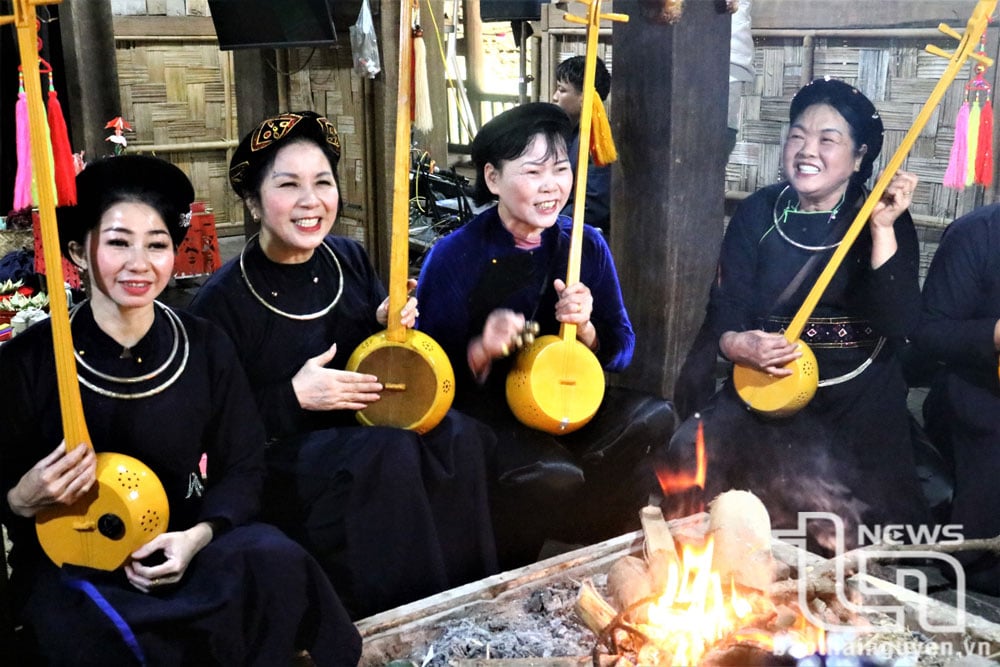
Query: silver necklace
129	380
275	309
793	208
180	332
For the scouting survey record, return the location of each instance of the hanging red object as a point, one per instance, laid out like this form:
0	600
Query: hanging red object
62	154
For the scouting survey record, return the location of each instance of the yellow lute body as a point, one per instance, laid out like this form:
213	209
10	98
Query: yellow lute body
417	378
555	385
124	510
779	396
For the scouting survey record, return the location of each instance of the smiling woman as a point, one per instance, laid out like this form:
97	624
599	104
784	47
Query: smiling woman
166	388
852	440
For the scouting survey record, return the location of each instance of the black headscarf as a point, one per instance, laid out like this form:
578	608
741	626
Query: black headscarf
108	181
859	112
258	148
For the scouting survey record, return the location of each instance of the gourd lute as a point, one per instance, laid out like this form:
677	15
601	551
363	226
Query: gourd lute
556	383
417	378
127	506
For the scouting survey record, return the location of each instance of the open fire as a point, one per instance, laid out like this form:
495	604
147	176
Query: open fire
714	593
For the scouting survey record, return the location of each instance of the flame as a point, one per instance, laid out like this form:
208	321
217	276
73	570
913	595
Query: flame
694	614
675	483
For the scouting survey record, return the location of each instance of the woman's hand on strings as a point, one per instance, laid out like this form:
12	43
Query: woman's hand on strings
767	352
60	478
409	314
319	388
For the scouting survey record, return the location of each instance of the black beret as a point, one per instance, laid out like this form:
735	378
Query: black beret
857	110
108	181
260	145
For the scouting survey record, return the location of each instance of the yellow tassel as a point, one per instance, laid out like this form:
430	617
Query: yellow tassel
602	144
423	116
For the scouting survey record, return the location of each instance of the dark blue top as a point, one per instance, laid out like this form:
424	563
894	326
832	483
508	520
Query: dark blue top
477	269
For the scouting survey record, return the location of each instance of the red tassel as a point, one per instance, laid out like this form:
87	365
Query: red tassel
22	181
954	176
984	156
62	154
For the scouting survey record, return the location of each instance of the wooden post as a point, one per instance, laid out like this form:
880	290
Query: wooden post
669	122
252	74
92	95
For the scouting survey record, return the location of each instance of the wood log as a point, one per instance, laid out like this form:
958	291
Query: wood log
659	548
741	527
629	583
595	612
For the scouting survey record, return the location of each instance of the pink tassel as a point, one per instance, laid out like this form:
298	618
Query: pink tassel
62	154
22	182
973	141
954	176
984	157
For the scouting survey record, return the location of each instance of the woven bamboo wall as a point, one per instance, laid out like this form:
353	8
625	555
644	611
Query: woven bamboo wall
177	89
322	80
172	94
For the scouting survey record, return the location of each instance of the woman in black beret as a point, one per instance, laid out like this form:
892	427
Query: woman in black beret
849	451
392	515
166	388
477	288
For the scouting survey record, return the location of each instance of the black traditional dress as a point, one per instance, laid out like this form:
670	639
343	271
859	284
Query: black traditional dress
849	450
391	515
251	596
582	487
962	409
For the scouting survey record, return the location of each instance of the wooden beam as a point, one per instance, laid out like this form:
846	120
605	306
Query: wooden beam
164	26
769	14
668	192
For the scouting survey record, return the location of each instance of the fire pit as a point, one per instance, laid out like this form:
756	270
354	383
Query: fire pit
568	610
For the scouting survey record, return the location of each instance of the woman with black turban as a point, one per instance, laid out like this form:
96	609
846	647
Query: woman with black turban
392	515
166	388
849	450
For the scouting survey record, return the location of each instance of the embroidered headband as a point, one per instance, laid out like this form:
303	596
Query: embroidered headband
258	147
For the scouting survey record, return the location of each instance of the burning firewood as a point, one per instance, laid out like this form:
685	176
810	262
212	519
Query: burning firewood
659	548
741	528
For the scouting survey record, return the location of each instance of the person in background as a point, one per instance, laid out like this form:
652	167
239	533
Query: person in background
391	515
849	450
164	387
569	96
741	71
959	333
479	286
